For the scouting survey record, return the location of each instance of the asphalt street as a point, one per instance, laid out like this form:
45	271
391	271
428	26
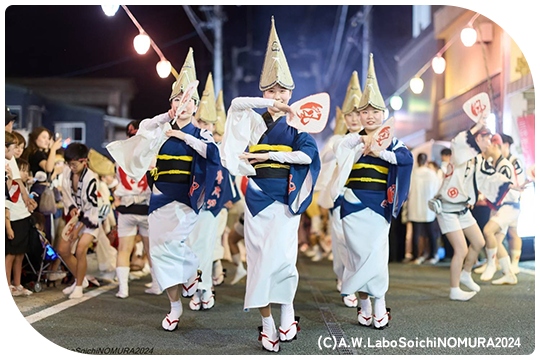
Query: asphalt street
424	320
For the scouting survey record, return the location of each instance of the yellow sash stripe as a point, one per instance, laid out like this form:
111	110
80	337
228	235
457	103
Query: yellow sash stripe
172	157
381	169
155	173
273	166
366	179
266	147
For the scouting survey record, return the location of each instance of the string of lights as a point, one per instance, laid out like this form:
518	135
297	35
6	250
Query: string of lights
143	41
468	37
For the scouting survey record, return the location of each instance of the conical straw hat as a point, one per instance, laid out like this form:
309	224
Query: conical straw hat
275	68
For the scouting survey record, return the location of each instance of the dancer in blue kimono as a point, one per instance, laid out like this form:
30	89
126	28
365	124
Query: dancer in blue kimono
187	160
376	185
203	236
283	165
347	121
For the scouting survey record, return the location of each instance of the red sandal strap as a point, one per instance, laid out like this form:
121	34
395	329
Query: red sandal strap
261	335
169	321
381	319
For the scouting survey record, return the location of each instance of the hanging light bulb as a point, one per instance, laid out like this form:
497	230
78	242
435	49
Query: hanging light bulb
141	43
396	102
110	10
163	68
468	36
438	64
417	85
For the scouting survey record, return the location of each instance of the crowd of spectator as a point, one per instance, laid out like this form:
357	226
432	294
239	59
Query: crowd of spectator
35	212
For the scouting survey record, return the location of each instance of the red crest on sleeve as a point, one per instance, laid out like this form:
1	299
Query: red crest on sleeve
292	187
391	192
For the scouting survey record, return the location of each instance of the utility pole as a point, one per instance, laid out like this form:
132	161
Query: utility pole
218	46
215	17
365	40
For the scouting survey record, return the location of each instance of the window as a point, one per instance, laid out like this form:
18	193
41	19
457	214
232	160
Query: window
75	131
421	18
35	117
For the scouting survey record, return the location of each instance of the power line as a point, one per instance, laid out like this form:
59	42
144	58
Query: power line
196	22
337	42
124	59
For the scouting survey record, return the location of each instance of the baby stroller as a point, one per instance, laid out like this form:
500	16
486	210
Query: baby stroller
39	259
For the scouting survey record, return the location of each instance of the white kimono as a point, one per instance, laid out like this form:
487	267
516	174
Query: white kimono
328	174
365	231
173	260
202	241
219	250
271	236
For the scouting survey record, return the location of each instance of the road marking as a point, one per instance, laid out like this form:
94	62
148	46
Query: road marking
67	304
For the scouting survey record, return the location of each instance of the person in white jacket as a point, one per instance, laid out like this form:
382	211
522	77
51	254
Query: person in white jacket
424	187
80	198
503	215
457	194
132	211
514	240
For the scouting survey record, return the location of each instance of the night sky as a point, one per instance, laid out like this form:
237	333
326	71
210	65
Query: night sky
80	41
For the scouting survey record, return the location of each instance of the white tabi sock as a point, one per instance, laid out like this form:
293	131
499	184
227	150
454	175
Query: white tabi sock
155	284
287	315
139	249
217	268
154	288
466	279
506	265
379	306
491	255
516	254
460	295
365	305
269	328
491	267
237	260
122	273
176	310
77	293
70	288
509	276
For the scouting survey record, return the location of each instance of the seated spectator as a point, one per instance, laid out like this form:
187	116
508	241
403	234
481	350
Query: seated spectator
81	203
39	222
